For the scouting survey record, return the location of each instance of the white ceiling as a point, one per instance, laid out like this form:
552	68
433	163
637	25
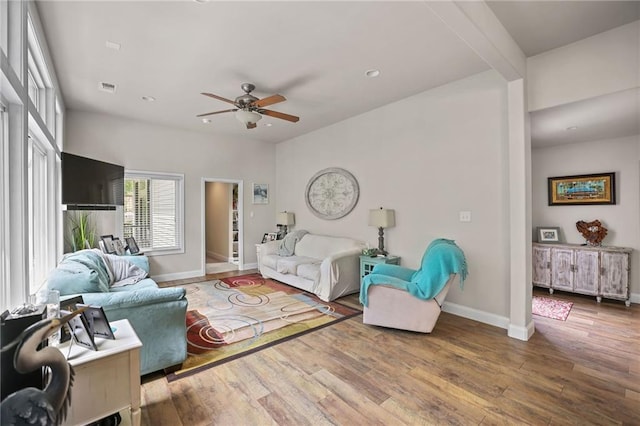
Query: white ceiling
538	26
313	53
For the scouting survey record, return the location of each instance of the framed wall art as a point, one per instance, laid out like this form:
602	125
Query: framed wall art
582	189
548	234
260	193
332	193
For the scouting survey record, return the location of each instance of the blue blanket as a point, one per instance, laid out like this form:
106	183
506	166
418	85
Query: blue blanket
441	259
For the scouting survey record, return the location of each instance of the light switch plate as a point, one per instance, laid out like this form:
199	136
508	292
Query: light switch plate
465	216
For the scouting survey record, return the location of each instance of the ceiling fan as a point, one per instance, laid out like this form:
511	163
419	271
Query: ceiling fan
248	108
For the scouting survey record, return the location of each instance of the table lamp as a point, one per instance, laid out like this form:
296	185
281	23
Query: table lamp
382	218
285	219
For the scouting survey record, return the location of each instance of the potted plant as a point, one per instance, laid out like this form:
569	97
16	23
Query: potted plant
83	234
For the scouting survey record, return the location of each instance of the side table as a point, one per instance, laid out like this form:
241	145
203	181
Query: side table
367	263
107	380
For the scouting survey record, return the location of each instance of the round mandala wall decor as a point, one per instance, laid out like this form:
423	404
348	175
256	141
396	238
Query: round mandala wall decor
332	193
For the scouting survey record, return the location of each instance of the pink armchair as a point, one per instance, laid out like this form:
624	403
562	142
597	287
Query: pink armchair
398	297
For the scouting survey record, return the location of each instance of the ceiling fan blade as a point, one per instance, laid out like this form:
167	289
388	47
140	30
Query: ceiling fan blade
281	115
216	112
220	98
251	125
269	100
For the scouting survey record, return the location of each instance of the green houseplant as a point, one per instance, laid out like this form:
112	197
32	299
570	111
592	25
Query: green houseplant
82	230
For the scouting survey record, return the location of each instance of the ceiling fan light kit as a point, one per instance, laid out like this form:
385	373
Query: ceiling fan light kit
249	109
246	117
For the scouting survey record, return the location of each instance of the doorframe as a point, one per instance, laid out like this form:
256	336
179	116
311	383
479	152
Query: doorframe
203	211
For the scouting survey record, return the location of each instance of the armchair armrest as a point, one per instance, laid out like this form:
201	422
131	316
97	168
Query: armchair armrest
395	271
384	274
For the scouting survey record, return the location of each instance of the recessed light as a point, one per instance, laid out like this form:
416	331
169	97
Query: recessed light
206	120
268	124
201	1
148	98
572	128
112	45
372	73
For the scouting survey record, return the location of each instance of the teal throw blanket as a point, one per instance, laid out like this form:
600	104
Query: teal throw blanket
441	259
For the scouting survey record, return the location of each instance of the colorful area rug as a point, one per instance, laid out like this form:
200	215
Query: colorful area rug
551	308
236	316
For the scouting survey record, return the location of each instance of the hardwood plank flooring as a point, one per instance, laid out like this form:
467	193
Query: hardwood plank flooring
582	371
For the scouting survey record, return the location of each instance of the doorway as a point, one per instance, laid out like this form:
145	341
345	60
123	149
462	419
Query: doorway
222	248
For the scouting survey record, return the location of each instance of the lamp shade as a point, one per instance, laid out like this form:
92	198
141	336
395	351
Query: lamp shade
285	218
382	218
247	117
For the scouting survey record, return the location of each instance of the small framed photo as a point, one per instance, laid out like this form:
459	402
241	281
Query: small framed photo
260	193
97	322
80	332
132	245
548	234
118	246
272	236
107	241
68	306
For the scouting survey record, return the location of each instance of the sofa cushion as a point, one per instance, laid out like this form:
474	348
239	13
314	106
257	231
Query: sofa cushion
290	264
321	246
310	271
80	272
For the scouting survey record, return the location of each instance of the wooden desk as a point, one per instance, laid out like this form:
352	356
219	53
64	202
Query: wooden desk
107	380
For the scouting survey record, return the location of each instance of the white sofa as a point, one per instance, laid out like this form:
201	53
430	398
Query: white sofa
325	266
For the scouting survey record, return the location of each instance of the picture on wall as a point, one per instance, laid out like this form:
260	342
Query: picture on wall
260	193
582	189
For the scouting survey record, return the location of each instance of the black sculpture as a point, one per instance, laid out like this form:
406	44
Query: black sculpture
31	406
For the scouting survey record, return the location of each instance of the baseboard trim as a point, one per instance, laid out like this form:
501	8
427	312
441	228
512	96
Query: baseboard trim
521	333
476	315
178	276
217	256
250	266
634	297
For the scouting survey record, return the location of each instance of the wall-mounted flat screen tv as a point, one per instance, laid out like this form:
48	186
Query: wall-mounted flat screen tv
89	182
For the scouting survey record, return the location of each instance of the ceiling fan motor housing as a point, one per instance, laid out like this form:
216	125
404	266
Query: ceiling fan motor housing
244	100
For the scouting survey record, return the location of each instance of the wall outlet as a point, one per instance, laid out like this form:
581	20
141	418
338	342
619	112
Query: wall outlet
465	216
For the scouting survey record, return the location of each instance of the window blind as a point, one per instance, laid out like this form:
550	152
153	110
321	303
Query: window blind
153	211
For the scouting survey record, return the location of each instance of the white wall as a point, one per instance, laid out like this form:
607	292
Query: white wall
621	156
147	147
599	65
428	157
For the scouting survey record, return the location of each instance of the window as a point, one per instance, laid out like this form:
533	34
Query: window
153	211
38	209
34	90
4	191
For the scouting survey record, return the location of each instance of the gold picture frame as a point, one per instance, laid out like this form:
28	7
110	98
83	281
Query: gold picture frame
582	189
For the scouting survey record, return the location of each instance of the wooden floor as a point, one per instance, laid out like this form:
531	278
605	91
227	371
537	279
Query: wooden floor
582	371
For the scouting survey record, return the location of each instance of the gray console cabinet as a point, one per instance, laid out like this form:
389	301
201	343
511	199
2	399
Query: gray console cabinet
597	271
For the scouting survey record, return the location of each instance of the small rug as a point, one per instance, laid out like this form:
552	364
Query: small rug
551	308
236	316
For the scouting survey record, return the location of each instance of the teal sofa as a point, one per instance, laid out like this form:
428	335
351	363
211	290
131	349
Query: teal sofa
156	314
